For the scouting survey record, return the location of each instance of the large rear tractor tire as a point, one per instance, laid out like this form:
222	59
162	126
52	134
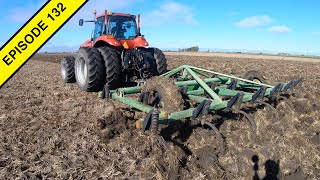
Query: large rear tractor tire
67	69
160	60
113	66
90	70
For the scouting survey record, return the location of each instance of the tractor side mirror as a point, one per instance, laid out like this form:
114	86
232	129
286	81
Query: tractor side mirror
81	22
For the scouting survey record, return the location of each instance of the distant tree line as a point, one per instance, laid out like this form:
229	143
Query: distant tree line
191	49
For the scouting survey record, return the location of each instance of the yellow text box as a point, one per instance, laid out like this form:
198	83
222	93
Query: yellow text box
34	34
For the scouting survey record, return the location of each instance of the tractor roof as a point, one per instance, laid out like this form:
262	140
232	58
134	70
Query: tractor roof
115	14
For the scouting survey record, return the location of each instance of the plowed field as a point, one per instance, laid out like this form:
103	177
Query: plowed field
52	130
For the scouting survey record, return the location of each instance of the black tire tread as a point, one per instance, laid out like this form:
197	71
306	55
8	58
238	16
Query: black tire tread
251	75
68	63
112	66
96	74
160	59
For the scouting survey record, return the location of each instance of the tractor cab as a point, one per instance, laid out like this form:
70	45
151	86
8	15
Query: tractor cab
117	30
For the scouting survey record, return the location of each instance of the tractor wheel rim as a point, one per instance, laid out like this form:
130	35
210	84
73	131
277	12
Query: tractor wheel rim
63	71
82	71
85	71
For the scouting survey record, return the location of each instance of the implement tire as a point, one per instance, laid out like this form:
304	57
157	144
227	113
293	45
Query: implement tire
255	76
170	96
160	60
67	69
90	70
112	62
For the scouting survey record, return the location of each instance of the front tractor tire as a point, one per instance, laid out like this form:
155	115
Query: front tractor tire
67	69
160	60
113	65
90	70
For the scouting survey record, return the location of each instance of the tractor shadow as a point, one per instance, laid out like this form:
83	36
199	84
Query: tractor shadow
271	168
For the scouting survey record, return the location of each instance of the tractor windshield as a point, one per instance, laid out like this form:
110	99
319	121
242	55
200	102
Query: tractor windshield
123	28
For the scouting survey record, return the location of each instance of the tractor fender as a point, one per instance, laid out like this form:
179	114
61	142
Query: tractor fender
140	42
107	39
87	43
135	43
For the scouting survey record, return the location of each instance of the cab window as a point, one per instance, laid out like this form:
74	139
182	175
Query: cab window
123	28
99	29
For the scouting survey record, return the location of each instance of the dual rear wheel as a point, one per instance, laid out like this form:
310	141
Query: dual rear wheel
95	67
89	69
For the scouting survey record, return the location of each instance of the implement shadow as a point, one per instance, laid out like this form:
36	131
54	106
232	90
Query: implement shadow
271	167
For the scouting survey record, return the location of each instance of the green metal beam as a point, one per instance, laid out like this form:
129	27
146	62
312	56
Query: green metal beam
221	80
188	113
133	90
172	72
179	115
204	85
201	73
227	92
130	90
140	106
199	91
230	76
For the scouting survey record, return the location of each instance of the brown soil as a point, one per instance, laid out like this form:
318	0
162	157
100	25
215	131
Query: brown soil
52	130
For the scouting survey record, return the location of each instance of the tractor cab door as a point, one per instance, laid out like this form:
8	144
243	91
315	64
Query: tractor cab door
99	29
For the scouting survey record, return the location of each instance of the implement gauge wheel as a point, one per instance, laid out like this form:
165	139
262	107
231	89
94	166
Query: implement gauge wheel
255	76
170	97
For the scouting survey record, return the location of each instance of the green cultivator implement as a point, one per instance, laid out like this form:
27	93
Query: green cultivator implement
207	90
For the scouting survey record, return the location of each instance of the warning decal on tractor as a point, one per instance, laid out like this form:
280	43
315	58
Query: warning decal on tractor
34	34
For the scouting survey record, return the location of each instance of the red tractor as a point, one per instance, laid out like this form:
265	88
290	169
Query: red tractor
117	54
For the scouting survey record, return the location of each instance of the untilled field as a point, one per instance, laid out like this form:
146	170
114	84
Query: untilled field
50	130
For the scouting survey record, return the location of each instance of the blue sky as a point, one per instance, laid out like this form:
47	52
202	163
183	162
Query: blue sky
260	25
